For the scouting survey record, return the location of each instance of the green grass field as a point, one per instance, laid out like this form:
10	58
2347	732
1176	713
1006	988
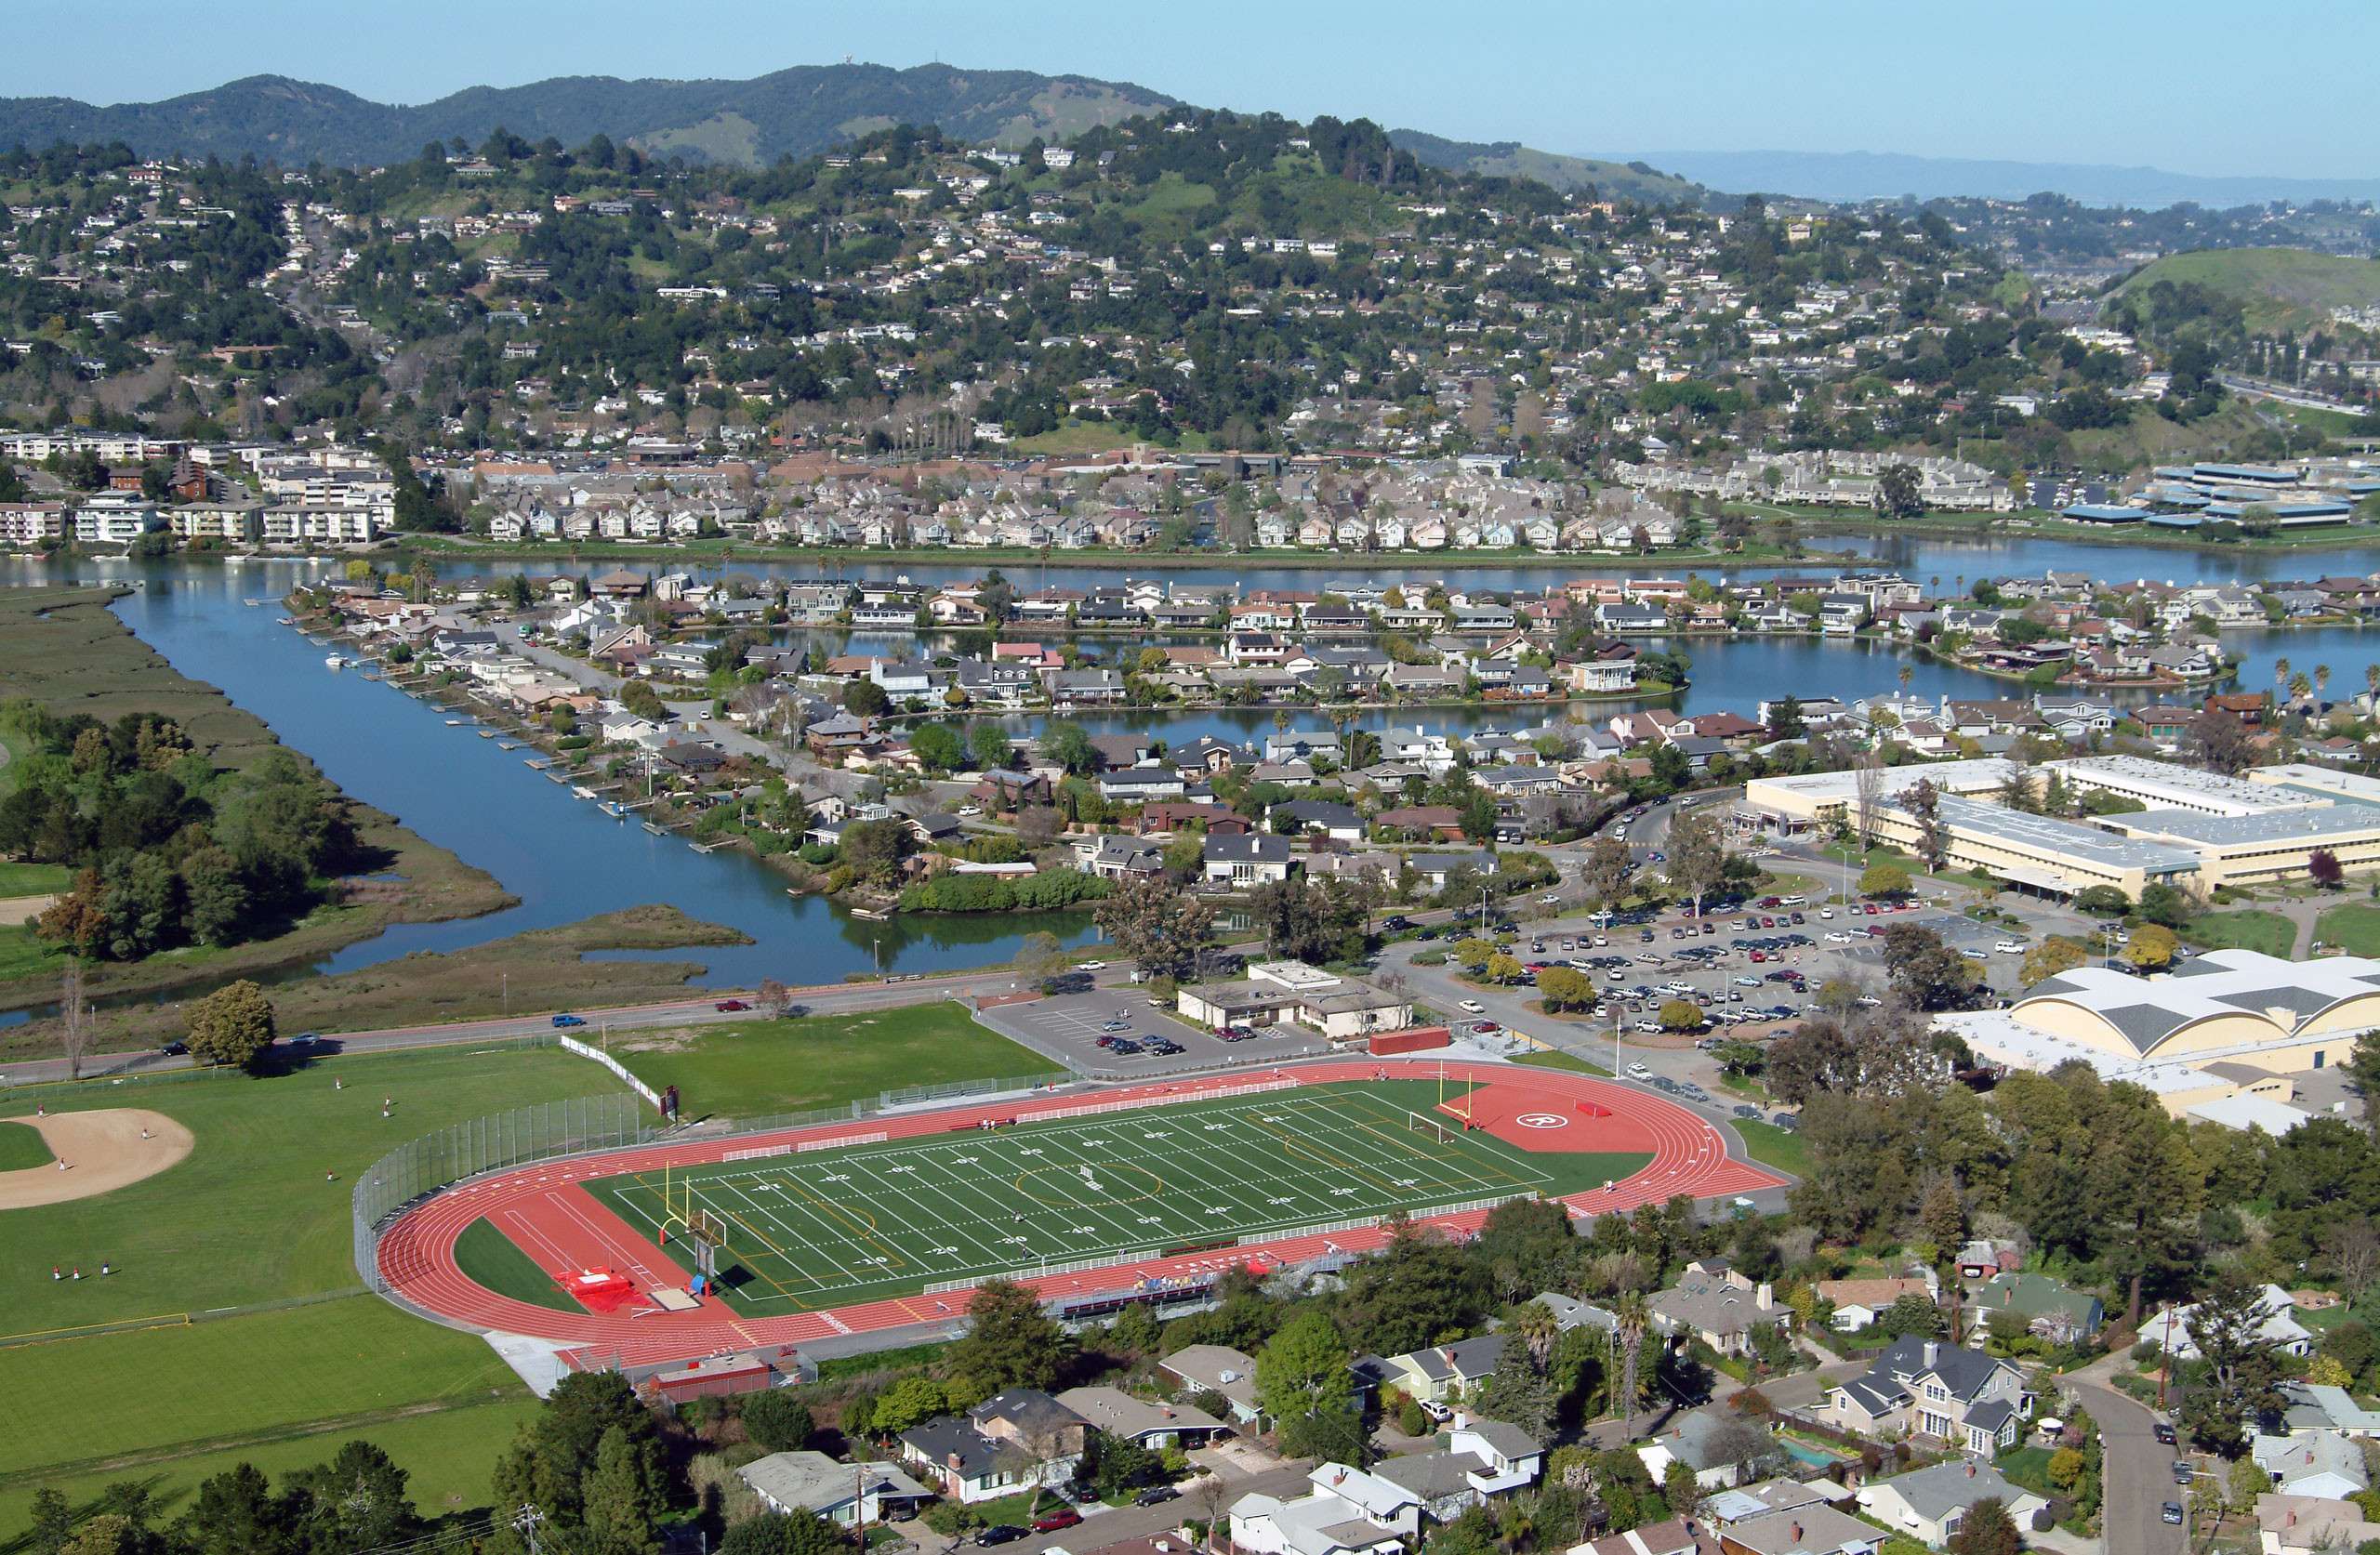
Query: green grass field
2354	929
354	1358
489	1257
34	879
21	1146
2249	928
833	1227
248	1217
1772	1146
449	1454
753	1068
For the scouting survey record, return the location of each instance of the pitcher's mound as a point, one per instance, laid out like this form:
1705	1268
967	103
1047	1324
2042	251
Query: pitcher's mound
102	1150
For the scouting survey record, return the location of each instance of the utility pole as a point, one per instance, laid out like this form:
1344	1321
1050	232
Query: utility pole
525	1523
1483	912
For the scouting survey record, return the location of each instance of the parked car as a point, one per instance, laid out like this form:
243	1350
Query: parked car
1157	1494
2166	1434
1050	1523
1003	1533
2171	1512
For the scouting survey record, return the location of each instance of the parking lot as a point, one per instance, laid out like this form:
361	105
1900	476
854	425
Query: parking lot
1097	1033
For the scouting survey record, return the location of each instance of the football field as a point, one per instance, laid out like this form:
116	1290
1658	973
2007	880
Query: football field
829	1226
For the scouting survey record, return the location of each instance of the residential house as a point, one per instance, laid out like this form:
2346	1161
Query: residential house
1676	1536
1858	1303
1215	1368
1972	1401
2310	1525
1814	1530
2051	1308
1112	857
1718	1306
1321	817
1346	1512
1722	1447
1928	1504
1145	1424
2330	1466
2276	1325
1250	859
1018	1439
1429	1375
1482	1460
843	1493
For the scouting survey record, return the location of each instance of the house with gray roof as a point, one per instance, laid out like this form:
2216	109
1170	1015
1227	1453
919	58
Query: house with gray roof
1143	1421
2311	1464
1718	1306
842	1493
1216	1368
1928	1504
1977	1403
1428	1374
1482	1460
1014	1440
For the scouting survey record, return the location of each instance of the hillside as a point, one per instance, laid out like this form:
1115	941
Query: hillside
1510	159
2275	287
788	113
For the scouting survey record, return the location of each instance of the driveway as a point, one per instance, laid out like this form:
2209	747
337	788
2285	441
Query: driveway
2138	1473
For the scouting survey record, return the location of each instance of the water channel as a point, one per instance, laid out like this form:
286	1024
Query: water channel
566	860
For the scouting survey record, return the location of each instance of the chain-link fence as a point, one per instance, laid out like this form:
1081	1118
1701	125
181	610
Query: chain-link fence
412	1172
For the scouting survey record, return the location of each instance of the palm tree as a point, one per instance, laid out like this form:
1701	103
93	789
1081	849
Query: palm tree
1631	1319
2280	674
2299	687
2321	679
1908	673
2371	686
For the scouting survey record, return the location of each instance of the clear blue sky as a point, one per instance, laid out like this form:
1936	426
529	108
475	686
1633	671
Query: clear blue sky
2213	86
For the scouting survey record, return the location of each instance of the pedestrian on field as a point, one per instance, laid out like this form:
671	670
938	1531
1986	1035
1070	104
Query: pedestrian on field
106	1269
56	1273
78	1271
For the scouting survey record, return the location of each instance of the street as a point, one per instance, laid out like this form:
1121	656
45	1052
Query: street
2138	1478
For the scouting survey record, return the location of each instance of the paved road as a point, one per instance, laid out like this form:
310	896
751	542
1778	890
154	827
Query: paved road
2139	1471
831	999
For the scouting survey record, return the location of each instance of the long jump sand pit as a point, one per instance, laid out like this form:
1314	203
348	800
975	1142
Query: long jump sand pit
102	1150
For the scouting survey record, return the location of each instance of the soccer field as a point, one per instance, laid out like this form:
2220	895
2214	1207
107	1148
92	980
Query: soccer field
828	1227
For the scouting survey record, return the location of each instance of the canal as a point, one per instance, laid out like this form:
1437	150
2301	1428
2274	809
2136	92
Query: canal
568	860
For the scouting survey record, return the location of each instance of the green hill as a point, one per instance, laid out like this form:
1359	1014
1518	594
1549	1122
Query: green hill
1510	159
788	113
2276	288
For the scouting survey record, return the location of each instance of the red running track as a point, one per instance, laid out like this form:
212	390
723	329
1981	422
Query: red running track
559	1223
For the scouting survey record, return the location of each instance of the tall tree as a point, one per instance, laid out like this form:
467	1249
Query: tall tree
1011	1342
1157	923
1697	861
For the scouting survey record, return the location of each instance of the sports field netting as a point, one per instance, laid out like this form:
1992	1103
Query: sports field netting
828	1227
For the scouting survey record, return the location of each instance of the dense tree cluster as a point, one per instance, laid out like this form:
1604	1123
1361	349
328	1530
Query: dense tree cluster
168	851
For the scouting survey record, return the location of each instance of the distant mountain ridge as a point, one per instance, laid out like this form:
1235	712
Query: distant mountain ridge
1840	176
1510	159
788	113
